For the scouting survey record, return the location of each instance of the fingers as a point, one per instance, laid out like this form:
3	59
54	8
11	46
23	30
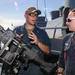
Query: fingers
19	36
33	38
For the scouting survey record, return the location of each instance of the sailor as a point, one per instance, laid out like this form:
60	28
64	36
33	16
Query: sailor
67	58
35	37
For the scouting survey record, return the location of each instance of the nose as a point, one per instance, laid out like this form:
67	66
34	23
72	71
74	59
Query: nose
67	23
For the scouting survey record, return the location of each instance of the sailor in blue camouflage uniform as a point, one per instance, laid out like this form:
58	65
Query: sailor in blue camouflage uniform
66	64
35	37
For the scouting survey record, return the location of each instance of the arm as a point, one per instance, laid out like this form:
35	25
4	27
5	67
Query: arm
44	48
61	64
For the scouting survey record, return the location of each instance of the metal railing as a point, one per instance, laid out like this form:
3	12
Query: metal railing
55	28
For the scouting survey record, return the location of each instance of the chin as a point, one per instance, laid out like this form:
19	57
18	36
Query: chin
71	29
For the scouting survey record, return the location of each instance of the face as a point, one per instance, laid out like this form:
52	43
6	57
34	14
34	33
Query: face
31	18
70	21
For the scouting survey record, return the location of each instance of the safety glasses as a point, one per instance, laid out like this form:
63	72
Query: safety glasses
33	15
69	19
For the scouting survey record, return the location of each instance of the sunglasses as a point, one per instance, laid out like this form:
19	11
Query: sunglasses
69	19
33	15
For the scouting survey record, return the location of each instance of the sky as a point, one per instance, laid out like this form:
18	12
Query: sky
12	11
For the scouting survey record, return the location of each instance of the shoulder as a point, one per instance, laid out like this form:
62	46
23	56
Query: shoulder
67	36
18	27
40	30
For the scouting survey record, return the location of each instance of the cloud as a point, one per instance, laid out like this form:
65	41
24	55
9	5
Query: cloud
16	5
10	23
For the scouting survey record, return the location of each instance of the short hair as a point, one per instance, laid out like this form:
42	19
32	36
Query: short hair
73	10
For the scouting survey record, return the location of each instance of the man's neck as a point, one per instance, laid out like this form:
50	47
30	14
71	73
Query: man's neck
30	27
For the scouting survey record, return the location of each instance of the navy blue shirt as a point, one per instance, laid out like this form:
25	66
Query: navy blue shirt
69	47
41	35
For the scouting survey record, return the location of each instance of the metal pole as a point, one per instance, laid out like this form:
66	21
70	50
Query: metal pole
37	3
45	10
